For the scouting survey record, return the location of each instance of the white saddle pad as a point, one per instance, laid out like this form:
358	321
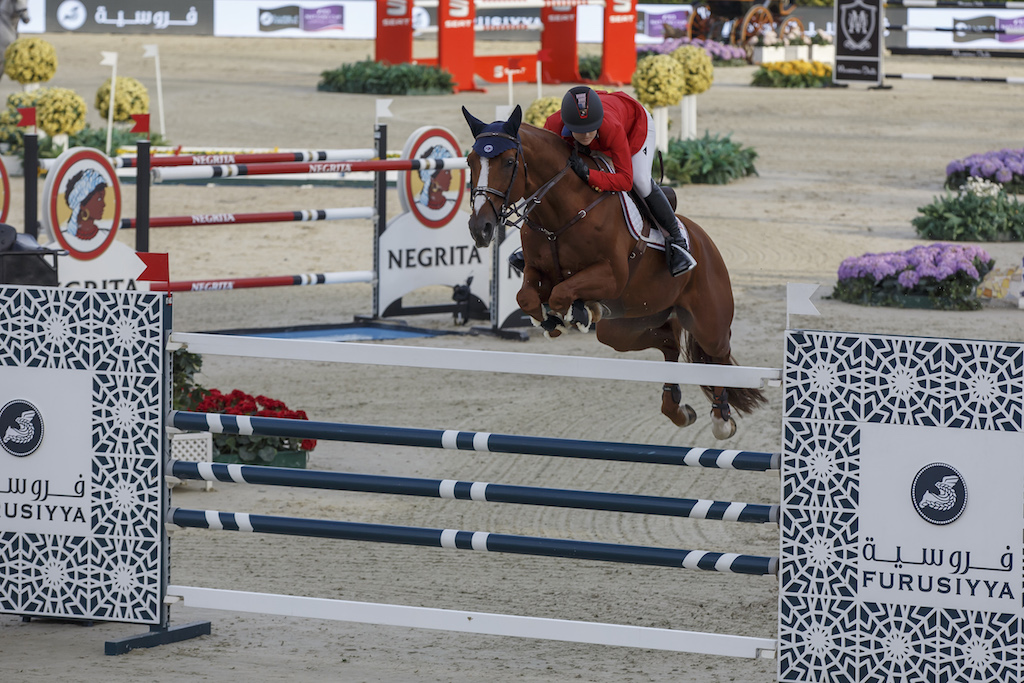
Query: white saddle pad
634	220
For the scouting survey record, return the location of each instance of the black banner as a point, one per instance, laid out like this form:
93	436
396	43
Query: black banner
858	41
192	17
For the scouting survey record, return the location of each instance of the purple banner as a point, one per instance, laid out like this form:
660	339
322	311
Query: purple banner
321	18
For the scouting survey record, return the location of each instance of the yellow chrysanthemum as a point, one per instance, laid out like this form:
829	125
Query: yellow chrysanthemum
659	81
697	66
30	60
540	109
130	97
61	112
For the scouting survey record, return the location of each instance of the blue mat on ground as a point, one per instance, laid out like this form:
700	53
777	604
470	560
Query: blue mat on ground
340	332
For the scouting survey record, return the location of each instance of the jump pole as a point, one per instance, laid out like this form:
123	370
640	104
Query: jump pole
302	279
285	167
481	442
481	361
302	216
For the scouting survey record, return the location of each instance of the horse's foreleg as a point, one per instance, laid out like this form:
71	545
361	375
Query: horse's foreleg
531	299
593	283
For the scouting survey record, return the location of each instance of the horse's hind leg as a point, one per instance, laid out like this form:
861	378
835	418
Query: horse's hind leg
635	334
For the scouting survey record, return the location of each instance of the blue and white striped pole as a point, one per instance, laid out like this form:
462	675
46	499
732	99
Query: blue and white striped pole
479	491
477	540
477	441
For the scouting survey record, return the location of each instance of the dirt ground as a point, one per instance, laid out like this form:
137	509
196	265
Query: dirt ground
841	172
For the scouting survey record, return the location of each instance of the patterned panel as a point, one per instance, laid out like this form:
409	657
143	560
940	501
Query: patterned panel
57	575
125	580
115	572
126	408
903	381
821	552
822	465
823	377
835	383
985	388
896	643
817	639
978	646
127	498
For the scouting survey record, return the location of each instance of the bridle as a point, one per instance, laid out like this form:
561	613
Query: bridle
514	214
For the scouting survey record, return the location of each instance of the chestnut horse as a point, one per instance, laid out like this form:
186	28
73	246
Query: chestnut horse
583	267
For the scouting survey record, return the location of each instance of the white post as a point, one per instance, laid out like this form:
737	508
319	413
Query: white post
540	69
110	59
511	99
154	52
660	115
688	116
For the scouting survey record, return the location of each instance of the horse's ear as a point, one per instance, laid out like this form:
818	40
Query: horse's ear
514	121
475	124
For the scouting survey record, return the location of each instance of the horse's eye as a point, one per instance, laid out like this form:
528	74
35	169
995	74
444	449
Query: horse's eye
509	161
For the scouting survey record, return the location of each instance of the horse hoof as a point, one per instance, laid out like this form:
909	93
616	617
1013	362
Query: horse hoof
552	334
580	314
682	415
722	429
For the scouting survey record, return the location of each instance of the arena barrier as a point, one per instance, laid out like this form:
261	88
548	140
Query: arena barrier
558	59
901	491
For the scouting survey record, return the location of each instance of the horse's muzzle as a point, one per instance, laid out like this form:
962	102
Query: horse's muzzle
482	232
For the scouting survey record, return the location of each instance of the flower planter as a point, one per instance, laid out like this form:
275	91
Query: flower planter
823	53
769	53
293	459
795	52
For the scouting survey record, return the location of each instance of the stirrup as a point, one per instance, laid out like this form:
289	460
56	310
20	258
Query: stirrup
517	261
679	260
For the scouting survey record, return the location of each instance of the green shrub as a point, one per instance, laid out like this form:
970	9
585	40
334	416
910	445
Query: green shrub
709	160
590	67
980	212
386	79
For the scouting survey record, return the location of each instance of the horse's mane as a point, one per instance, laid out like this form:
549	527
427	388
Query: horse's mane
547	140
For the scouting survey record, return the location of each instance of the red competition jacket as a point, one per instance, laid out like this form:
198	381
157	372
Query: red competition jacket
622	133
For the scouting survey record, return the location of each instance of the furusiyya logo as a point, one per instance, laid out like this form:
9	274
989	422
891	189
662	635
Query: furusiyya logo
279	18
71	15
21	428
939	493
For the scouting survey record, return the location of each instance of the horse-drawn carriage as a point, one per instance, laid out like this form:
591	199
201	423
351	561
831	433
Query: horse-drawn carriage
739	22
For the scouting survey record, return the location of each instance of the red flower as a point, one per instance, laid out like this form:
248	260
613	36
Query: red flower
240	403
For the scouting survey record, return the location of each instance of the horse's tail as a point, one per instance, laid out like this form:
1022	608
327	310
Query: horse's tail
743	401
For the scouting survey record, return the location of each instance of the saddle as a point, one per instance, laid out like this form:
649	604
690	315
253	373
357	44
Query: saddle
638	217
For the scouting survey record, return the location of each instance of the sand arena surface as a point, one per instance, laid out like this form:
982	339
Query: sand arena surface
841	173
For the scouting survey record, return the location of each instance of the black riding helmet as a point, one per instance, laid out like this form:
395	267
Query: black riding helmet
582	111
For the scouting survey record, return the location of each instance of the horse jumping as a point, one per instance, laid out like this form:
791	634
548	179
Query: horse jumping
583	267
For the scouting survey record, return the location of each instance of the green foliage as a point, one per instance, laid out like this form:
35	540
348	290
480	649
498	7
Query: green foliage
590	67
185	393
969	217
386	79
95	138
709	160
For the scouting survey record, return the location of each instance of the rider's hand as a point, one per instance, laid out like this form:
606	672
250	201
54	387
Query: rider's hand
580	168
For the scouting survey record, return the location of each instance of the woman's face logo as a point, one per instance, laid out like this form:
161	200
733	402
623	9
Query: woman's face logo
83	204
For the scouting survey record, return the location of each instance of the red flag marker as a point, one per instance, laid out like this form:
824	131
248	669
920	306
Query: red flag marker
157	267
544	55
28	117
141	123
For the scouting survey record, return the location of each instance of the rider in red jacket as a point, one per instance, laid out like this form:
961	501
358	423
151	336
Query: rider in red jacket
617	125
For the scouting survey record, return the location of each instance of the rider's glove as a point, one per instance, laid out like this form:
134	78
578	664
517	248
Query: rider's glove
581	169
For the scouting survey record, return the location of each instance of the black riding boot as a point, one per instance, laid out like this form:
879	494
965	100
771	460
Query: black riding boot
517	261
676	252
